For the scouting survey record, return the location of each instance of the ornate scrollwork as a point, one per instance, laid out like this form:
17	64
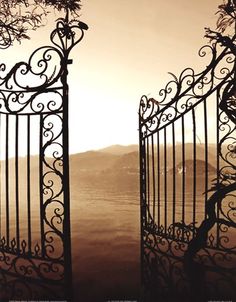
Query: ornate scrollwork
35	86
188	90
203	253
52	179
38	88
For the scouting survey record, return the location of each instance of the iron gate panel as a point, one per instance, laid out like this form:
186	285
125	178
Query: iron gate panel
35	247
187	182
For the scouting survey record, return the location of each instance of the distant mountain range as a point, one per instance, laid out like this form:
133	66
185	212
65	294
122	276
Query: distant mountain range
189	167
115	157
119	149
123	161
115	164
120	164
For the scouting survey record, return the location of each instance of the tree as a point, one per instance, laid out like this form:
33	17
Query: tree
224	33
18	17
227	15
68	5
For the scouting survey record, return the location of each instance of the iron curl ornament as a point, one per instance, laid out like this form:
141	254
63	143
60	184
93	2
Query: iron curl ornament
36	263
183	93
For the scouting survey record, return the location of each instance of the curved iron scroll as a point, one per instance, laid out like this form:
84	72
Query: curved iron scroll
35	247
187	181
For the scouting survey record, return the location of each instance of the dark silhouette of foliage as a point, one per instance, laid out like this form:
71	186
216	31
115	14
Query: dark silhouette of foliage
227	15
18	17
227	19
68	5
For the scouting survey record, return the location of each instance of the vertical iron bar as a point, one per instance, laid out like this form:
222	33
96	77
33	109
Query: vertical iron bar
218	160
174	177
142	195
28	184
148	180
206	153
158	180
183	174
0	179
17	183
144	181
194	167
165	179
66	180
7	181
41	186
153	179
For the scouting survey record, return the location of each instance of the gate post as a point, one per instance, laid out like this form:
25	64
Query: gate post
67	32
66	182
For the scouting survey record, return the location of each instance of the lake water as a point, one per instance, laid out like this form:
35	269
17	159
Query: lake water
105	242
105	225
105	221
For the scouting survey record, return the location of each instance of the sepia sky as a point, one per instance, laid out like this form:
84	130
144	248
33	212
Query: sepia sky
128	50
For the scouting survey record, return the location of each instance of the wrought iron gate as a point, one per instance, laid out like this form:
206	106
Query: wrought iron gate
187	182
35	247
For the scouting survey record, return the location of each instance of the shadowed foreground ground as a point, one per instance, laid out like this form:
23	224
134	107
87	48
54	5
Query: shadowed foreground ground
105	244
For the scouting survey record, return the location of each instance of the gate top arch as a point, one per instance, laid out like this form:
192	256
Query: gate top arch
35	244
45	72
187	139
183	93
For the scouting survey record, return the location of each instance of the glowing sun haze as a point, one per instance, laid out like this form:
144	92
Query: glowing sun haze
127	51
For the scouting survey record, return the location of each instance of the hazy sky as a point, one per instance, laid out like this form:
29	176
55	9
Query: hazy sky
127	51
